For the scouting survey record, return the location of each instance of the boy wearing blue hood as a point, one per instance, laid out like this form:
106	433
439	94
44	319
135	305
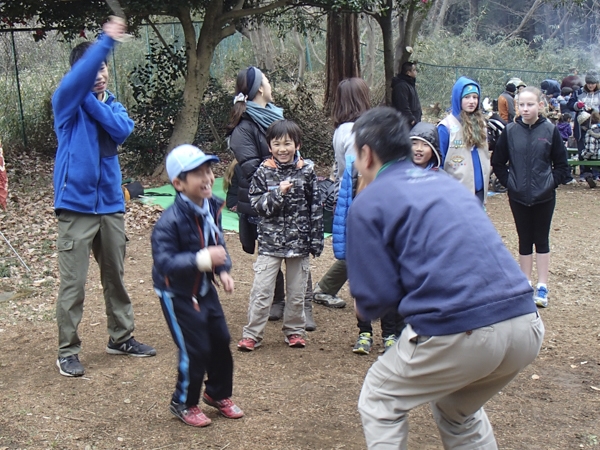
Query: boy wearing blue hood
471	323
90	125
463	139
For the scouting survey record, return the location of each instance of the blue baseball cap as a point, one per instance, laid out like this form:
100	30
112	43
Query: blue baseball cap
184	158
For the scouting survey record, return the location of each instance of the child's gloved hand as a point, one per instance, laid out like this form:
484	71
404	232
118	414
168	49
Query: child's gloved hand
227	281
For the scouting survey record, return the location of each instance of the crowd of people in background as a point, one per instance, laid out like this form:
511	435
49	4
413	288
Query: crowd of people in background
410	233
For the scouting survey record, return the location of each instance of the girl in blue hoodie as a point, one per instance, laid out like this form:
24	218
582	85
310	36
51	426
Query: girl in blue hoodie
463	139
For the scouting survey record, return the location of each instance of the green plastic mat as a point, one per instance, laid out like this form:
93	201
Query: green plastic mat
165	196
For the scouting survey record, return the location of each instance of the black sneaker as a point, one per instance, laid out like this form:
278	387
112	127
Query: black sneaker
69	366
130	347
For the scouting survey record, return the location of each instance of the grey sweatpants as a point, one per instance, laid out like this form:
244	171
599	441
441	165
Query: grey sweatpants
78	236
457	374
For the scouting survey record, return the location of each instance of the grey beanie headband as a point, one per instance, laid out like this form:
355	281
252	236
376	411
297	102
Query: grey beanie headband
254	79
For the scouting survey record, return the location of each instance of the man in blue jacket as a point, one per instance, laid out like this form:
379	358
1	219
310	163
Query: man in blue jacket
420	243
88	200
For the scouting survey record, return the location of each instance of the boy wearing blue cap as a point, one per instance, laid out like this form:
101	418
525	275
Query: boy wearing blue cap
189	254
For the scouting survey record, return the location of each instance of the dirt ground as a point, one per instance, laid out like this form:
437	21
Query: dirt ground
293	398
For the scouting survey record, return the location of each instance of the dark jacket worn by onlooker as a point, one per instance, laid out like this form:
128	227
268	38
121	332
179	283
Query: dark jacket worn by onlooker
405	98
537	157
249	145
176	238
389	268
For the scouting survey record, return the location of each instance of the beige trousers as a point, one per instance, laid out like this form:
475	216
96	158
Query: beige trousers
261	295
457	374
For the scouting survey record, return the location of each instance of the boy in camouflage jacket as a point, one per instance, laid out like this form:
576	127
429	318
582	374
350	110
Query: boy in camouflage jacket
285	195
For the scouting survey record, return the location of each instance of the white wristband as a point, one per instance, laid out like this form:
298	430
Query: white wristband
203	260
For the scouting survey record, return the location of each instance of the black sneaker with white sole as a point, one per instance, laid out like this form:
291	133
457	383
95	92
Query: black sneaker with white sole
69	366
130	347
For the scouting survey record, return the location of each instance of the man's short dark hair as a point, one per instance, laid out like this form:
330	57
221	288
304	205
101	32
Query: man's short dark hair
79	51
282	128
385	131
406	67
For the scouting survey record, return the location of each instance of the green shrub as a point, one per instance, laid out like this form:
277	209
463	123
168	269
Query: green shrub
157	88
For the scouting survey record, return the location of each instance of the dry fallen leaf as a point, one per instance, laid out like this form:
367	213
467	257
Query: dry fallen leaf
595	388
535	377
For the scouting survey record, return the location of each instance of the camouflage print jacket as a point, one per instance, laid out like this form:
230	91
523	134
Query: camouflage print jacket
291	225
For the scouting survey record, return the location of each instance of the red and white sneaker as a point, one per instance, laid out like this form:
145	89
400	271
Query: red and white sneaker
226	407
192	415
247	345
295	340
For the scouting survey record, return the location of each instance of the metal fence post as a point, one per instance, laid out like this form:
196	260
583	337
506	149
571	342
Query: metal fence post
15	59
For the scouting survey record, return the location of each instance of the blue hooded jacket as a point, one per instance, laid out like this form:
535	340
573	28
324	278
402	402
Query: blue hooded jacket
87	174
456	101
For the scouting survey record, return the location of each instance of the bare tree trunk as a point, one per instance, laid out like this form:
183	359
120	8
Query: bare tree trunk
262	45
370	51
315	54
409	24
301	48
473	9
387	32
199	56
526	18
343	53
439	23
268	57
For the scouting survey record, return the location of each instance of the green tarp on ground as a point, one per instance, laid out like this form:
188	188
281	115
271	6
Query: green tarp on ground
166	197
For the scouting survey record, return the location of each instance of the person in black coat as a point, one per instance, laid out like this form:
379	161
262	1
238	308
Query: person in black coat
252	113
404	93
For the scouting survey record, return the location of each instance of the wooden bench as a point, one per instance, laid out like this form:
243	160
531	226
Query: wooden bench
584	162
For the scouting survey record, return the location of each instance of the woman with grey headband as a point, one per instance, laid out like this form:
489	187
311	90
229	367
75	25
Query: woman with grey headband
252	113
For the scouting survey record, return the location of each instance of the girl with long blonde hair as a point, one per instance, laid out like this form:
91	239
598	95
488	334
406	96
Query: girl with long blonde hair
463	139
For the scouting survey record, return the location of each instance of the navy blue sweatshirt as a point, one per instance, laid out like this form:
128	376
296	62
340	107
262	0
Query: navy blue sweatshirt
420	242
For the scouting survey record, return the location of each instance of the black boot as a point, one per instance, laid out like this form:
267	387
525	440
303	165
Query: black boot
276	312
308	313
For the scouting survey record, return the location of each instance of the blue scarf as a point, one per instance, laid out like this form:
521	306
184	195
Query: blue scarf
264	117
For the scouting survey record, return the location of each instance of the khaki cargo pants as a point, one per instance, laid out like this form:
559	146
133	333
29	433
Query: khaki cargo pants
263	288
78	236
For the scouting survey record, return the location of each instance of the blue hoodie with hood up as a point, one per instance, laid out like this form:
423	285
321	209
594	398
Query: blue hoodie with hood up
444	133
87	174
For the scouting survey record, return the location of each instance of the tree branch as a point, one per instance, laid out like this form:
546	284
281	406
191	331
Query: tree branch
235	14
526	19
163	42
